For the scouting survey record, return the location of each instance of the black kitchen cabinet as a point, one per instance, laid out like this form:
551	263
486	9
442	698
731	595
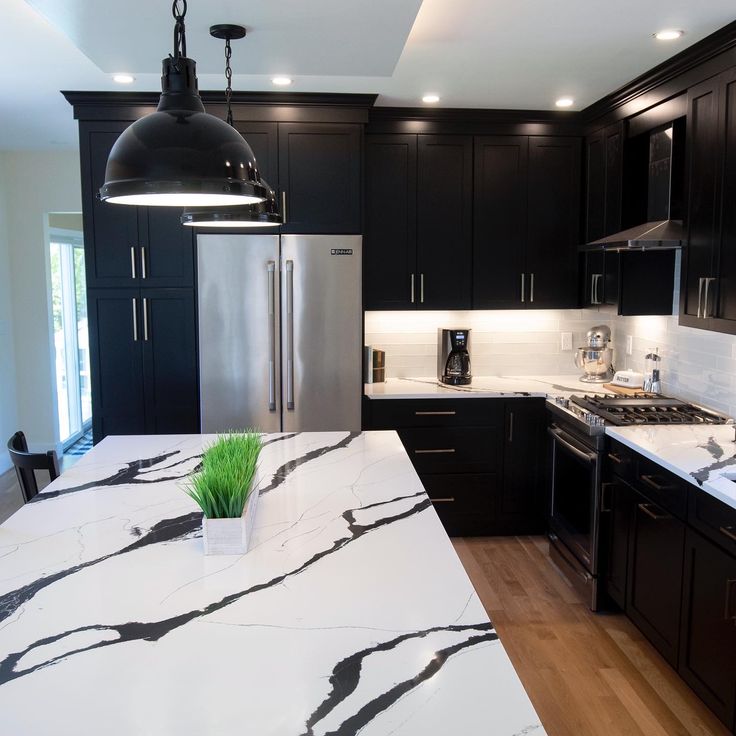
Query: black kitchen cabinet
604	179
124	245
708	637
320	176
550	276
617	498
444	222
390	250
263	138
143	361
520	506
499	220
655	575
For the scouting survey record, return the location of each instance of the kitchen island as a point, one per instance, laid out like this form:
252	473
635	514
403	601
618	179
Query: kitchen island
350	613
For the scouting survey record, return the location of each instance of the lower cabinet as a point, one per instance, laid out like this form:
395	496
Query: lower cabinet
617	504
144	361
708	640
481	460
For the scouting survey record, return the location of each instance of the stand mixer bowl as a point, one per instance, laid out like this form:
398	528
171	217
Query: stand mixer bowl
596	364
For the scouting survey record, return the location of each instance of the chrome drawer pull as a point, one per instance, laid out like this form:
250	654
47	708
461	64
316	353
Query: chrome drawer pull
615	458
728	532
434	413
646	508
449	499
434	452
649	480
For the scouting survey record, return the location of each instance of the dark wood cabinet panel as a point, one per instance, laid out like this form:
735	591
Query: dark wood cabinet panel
595	180
116	345
464	502
444	222
170	361
708	649
616	508
390	246
703	171
444	412
166	254
614	145
655	575
263	138
320	172
554	222
500	220
594	278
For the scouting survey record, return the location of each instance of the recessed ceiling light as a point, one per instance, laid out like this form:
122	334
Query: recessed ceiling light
281	81
565	102
123	78
668	35
431	98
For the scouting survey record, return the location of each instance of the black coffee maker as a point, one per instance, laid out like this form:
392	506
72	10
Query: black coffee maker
453	357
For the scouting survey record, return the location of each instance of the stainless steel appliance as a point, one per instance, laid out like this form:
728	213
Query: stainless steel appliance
577	506
453	357
653	371
280	332
595	359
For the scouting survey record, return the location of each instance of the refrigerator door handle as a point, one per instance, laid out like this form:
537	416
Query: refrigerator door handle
290	335
271	335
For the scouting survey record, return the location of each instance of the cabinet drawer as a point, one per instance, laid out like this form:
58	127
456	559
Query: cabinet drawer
464	503
713	519
399	413
662	487
620	460
453	449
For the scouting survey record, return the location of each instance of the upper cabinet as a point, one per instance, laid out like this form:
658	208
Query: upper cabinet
708	289
603	181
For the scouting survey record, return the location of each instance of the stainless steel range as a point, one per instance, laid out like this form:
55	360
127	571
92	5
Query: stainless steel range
578	447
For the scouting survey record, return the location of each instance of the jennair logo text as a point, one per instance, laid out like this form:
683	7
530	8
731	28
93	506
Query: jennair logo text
341	251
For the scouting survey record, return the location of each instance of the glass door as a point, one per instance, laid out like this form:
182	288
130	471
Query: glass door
71	343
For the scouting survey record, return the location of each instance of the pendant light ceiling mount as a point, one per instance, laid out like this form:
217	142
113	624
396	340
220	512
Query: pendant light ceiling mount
180	155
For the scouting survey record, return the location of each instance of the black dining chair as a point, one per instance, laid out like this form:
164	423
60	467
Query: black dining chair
26	463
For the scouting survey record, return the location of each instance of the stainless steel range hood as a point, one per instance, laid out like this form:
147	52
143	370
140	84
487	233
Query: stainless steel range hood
658	234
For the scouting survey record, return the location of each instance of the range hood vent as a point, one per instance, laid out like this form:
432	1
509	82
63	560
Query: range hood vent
657	181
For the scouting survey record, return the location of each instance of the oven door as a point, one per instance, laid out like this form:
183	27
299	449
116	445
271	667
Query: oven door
575	497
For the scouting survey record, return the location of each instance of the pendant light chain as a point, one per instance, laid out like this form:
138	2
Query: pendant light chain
180	38
229	79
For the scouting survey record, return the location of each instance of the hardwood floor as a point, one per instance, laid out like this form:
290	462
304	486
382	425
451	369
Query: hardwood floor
587	674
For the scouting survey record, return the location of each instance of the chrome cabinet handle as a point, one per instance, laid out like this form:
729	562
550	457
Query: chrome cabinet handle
727	614
441	451
511	426
283	206
412	288
706	309
522	289
615	458
700	297
421	288
647	509
145	319
649	480
434	413
728	531
271	270
135	320
589	457
449	499
592	289
290	335
132	261
144	273
531	288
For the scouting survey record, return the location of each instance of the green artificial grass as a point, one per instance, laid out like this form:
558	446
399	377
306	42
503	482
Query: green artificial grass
221	488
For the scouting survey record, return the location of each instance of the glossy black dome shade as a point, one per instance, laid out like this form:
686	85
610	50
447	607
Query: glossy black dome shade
264	214
179	156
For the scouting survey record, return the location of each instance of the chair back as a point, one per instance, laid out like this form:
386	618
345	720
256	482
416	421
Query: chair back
26	463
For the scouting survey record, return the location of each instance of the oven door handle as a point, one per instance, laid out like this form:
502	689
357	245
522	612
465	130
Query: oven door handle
558	435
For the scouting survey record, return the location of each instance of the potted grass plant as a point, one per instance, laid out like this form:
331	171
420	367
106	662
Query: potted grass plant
226	489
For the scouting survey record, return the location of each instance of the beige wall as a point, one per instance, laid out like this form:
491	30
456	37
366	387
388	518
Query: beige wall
35	183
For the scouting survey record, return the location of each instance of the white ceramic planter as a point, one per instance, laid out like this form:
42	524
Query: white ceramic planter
232	536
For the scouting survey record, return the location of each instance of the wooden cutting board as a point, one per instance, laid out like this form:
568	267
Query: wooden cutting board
625	390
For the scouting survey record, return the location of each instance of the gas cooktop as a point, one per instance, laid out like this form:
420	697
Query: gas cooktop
622	411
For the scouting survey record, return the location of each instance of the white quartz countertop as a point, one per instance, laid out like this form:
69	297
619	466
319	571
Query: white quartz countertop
703	455
350	614
482	386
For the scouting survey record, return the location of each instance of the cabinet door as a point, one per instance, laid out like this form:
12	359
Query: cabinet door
390	222
170	361
500	214
320	172
116	339
594	278
616	507
166	254
655	575
520	508
464	501
725	313
614	145
708	648
263	138
595	186
554	228
703	168
111	240
444	221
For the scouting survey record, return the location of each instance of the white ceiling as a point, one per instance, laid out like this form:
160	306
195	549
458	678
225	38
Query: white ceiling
473	53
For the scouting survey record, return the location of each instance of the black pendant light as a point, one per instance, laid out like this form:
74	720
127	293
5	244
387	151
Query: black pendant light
179	156
264	214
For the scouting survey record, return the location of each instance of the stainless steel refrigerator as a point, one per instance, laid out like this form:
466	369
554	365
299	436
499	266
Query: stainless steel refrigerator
280	332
